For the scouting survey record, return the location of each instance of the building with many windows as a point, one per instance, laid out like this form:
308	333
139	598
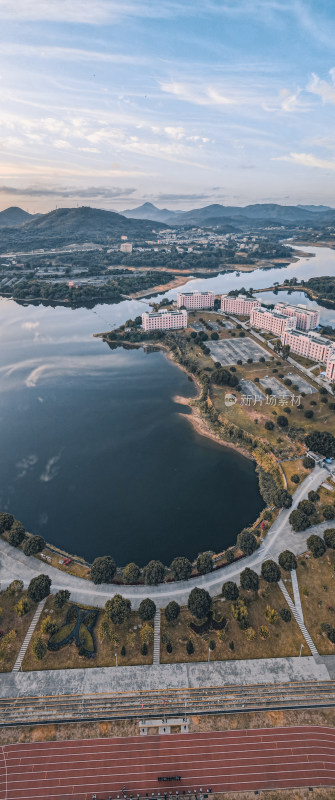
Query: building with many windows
330	368
195	300
307	318
164	320
271	321
310	345
238	305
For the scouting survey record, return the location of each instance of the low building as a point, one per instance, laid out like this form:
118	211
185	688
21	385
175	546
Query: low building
307	318
238	305
164	320
126	247
195	300
310	345
271	321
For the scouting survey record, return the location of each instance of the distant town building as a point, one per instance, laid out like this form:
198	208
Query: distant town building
238	305
330	368
271	321
164	320
195	300
307	318
126	247
310	345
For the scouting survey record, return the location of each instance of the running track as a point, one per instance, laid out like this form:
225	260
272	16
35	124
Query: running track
225	761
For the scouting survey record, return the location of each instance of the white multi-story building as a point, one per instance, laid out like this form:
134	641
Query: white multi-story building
164	320
307	318
238	305
310	345
330	368
195	300
271	321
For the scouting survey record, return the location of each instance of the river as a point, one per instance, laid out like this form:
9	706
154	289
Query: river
96	454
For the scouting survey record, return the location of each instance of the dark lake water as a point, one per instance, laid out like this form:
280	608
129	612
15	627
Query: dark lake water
95	454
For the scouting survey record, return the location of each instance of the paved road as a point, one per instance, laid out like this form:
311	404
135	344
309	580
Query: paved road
14	564
222	761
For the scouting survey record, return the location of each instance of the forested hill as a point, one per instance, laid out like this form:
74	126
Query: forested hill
75	225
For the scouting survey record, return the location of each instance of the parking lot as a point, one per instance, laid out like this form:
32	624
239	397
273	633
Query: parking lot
278	390
303	385
233	350
249	389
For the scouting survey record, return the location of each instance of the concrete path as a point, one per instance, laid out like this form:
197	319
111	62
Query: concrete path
299	620
216	673
296	594
28	636
157	637
14	563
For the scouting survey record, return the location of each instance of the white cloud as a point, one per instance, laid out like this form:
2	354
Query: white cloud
201	96
308	160
322	88
19	50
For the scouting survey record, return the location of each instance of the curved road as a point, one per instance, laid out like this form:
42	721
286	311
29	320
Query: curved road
14	564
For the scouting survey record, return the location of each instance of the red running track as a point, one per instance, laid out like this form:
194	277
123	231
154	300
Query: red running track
225	761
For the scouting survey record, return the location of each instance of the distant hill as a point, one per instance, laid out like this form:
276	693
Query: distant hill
75	225
317	209
234	217
14	216
149	211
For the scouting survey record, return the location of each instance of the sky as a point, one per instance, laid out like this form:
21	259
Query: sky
182	103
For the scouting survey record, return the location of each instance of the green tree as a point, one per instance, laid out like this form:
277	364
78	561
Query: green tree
204	563
269	425
229	556
308	462
247	542
147	609
270	571
249	580
316	545
118	609
62	597
172	611
287	560
313	496
6	521
230	590
39	649
39	588
285	614
281	498
299	520
154	573
329	512
33	545
307	507
181	568
282	421
189	647
103	569
321	442
16	534
131	573
329	538
199	603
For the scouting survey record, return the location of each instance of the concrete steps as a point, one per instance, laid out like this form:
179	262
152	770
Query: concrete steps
299	620
30	631
296	593
157	637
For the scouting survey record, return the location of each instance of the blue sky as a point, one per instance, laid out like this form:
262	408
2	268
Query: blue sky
182	103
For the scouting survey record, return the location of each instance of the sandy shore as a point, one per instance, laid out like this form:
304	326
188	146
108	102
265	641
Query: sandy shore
201	427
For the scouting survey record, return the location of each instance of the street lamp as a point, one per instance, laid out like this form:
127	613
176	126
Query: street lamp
301	648
209	654
115	659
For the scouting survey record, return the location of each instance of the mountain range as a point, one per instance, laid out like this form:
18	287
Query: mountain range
217	214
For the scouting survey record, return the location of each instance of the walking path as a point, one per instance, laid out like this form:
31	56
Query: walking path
157	637
299	620
14	563
296	593
30	631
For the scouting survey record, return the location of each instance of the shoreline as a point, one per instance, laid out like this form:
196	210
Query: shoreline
202	429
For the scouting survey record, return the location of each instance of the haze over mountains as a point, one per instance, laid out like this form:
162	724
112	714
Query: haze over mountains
216	213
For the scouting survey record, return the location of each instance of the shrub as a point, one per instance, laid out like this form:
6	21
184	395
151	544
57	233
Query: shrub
123	650
147	633
308	462
282	421
316	545
295	478
329	512
154	573
16	534
172	611
329	538
62	597
229	556
264	632
131	573
104	630
147	609
230	590
199	603
118	609
269	425
33	545
331	635
285	614
39	649
39	588
15	586
204	563
249	580
22	607
287	560
6	521
270	571
309	413
169	647
212	644
250	634
240	613
189	647
271	615
247	542
181	568
144	649
231	644
103	569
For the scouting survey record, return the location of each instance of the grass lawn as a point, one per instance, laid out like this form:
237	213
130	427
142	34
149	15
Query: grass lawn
9	620
68	657
294	467
284	640
316	578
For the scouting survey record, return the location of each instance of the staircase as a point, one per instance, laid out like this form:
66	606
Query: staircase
299	620
157	637
30	631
